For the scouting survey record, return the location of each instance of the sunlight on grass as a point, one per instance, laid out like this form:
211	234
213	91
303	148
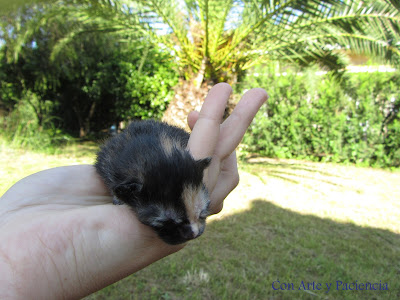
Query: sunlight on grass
363	196
16	164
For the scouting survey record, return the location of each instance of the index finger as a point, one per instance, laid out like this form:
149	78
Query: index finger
204	137
235	126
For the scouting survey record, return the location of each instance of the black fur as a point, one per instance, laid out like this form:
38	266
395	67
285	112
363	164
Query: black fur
147	166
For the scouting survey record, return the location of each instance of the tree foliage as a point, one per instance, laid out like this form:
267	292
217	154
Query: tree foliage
93	61
220	39
226	37
93	81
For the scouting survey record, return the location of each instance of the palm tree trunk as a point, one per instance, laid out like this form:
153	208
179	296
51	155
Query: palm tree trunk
189	97
200	76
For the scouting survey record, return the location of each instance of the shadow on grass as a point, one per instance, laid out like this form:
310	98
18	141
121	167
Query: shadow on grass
294	172
242	255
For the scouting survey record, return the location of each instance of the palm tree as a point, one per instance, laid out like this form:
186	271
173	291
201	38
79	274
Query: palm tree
218	40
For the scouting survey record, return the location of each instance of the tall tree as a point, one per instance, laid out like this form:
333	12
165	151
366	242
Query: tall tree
218	40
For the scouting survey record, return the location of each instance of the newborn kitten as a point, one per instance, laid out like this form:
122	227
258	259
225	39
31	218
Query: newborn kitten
149	168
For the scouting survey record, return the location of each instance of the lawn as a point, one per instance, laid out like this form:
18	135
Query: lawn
291	230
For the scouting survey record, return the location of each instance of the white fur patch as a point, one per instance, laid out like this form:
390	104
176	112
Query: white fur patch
195	200
167	144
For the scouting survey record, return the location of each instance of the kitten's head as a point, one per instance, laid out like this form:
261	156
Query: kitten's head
171	198
180	223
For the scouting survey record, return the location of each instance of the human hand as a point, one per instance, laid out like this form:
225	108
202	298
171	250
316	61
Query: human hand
211	138
60	236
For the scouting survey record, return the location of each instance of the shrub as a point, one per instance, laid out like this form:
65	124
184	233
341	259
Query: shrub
22	130
94	82
354	118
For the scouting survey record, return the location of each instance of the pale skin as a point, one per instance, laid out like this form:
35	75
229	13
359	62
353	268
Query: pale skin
60	235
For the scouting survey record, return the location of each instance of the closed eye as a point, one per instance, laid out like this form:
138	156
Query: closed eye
168	223
204	214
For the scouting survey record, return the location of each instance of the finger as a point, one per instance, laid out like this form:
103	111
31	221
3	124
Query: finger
234	128
205	134
228	179
75	182
192	119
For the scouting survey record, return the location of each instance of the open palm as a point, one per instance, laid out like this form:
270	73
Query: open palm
60	236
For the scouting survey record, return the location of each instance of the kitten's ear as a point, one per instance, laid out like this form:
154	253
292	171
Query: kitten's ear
203	163
128	189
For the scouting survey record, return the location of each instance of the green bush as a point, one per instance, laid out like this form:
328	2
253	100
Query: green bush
22	130
354	118
146	94
93	83
120	85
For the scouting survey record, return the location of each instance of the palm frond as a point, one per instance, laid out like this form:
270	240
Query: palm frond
314	24
233	35
82	17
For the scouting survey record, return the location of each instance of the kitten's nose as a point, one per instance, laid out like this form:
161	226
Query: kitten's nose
187	232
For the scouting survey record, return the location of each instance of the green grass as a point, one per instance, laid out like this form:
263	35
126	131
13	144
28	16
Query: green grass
16	164
288	221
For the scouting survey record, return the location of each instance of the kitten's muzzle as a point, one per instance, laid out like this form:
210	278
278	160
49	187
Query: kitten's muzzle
180	234
188	232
